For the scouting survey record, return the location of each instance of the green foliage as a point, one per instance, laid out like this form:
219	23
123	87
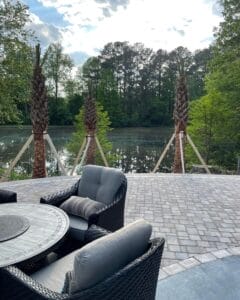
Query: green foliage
197	73
137	86
16	61
227	35
63	110
215	127
74	103
58	111
108	96
212	132
103	127
57	67
19	176
215	118
15	175
13	18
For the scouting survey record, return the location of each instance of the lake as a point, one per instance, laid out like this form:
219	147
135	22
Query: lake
137	149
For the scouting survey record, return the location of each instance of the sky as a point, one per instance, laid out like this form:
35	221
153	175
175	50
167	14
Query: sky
83	27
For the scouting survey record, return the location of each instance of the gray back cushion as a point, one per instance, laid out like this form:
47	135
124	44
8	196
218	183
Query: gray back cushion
83	207
100	183
107	255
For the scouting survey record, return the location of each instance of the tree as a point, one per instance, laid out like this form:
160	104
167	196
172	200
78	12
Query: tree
109	98
103	127
212	132
181	60
163	86
74	103
221	104
227	35
15	61
137	85
197	73
39	117
13	18
57	68
59	113
91	75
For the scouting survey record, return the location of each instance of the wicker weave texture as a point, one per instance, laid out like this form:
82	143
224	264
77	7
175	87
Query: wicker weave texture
111	217
138	280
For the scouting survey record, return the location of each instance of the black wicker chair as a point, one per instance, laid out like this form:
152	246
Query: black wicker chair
137	280
7	196
111	215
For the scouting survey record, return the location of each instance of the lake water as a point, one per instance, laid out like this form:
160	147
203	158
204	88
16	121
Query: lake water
138	149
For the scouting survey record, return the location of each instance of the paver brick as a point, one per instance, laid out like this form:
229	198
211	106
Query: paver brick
221	253
174	248
189	263
173	269
195	237
181	255
203	258
162	274
185	242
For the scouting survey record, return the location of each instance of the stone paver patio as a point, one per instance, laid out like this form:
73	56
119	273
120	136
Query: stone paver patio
197	214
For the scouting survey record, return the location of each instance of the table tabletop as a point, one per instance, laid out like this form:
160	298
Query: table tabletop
48	225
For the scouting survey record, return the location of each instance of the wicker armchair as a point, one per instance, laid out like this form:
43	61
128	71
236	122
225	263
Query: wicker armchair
7	196
111	215
137	280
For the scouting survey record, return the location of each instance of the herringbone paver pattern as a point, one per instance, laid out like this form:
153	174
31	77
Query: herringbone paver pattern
195	213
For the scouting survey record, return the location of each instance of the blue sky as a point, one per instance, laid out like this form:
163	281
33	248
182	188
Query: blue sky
83	26
48	15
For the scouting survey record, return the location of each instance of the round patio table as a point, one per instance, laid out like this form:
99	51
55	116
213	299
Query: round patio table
38	228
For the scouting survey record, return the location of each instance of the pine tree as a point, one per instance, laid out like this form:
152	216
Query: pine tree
39	117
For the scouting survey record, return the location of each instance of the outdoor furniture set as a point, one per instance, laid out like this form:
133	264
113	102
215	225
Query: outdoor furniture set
115	262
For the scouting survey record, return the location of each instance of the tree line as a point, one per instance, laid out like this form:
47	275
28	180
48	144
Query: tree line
135	84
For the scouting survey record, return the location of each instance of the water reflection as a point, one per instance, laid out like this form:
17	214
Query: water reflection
137	149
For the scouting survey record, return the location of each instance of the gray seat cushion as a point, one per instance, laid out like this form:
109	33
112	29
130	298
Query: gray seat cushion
83	207
53	276
77	227
100	183
105	256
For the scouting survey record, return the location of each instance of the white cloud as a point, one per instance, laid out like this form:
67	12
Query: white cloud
158	24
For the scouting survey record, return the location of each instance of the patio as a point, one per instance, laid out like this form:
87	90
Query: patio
198	215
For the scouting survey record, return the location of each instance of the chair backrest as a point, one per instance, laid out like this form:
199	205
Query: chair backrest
105	256
100	183
137	280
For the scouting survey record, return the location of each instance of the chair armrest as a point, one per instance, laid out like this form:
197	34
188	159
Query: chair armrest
108	217
95	232
58	197
15	285
7	196
111	216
